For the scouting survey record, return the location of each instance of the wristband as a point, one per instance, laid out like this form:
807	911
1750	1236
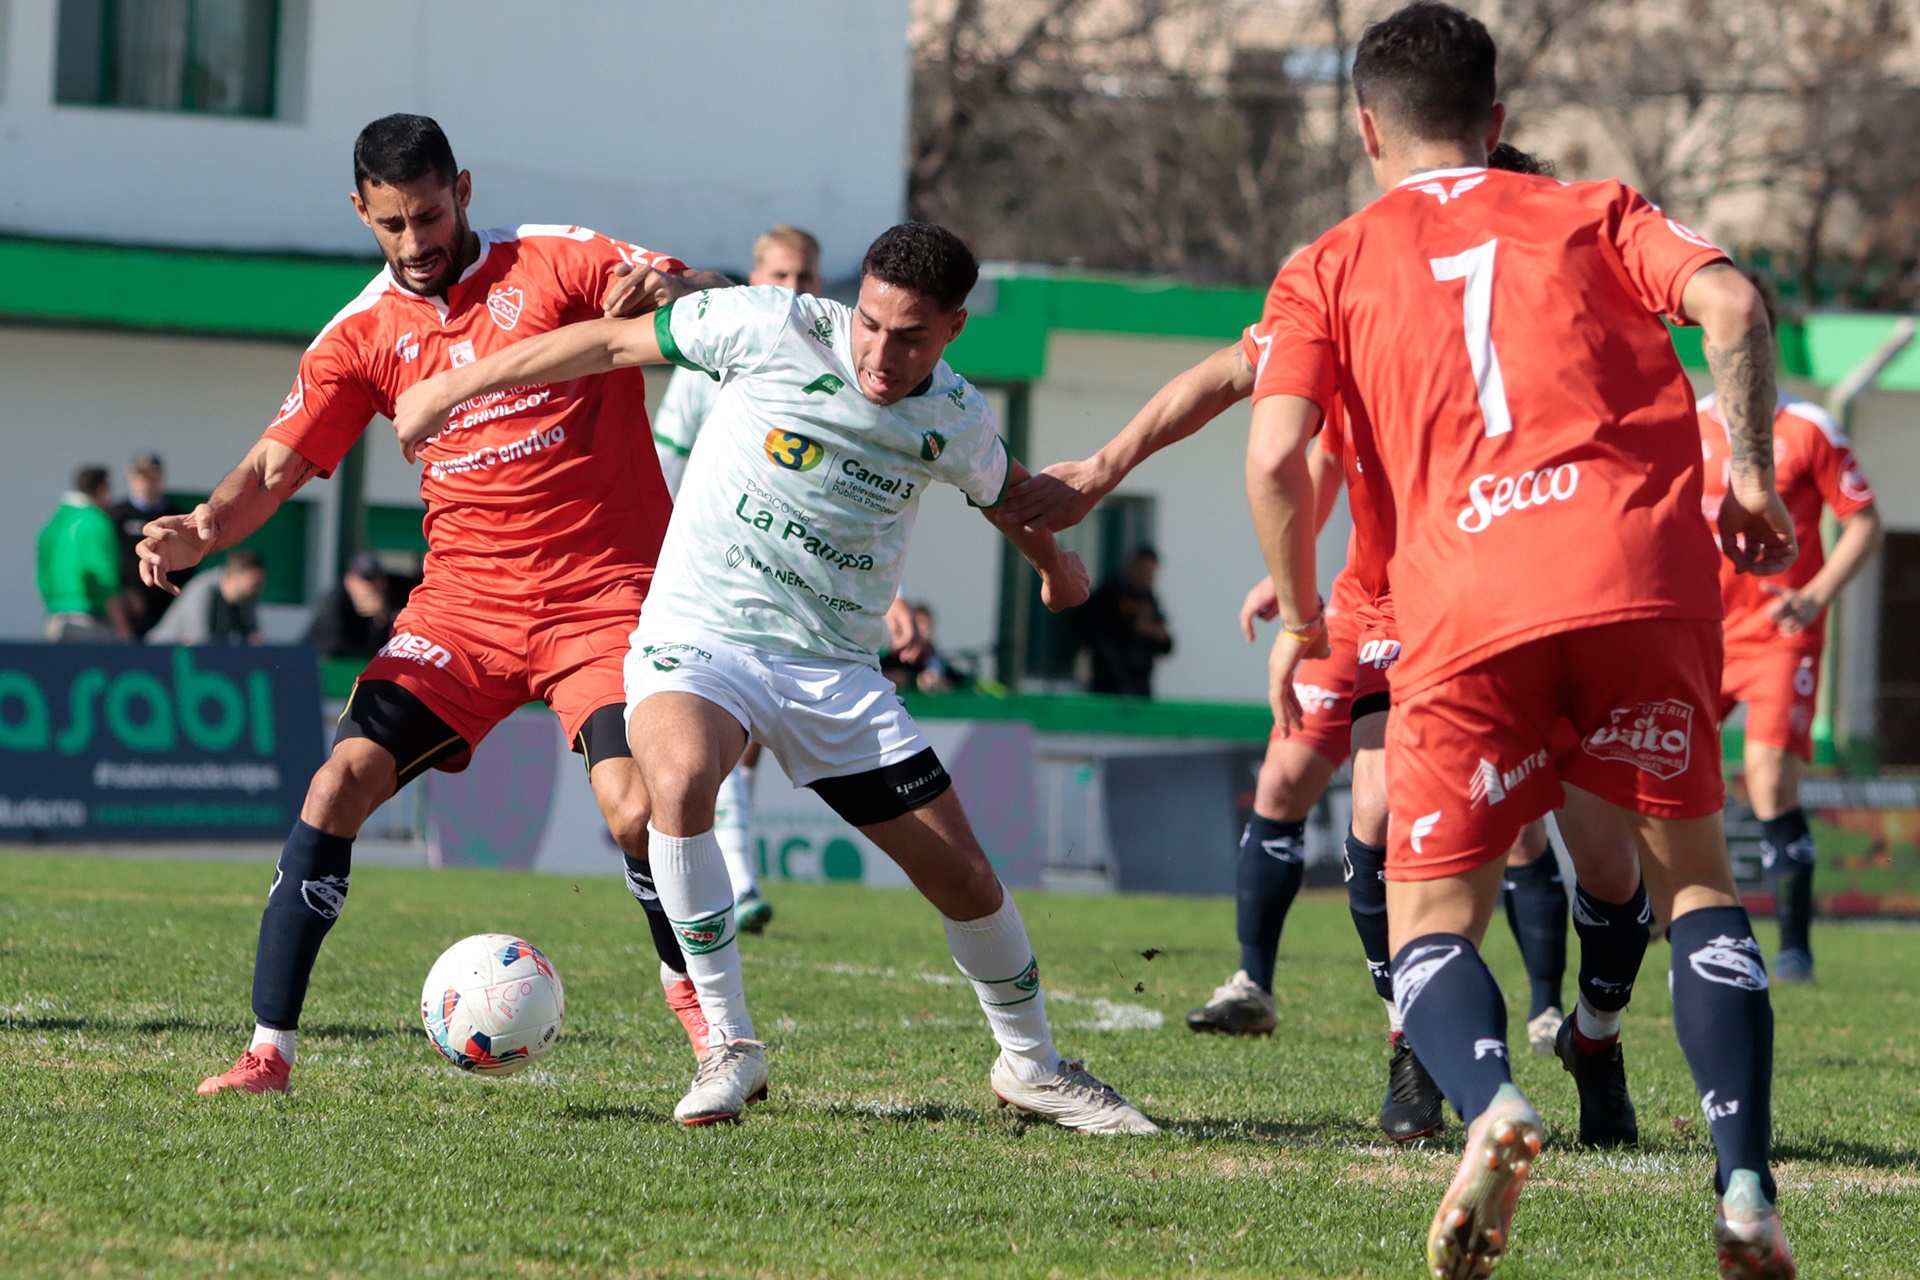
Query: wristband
1312	627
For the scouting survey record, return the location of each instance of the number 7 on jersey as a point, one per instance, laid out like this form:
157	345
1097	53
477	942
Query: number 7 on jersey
1475	266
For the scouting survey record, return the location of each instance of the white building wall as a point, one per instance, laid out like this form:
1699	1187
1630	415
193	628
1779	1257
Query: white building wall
685	127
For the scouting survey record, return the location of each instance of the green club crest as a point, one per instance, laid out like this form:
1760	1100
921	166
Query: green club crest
932	445
699	937
666	664
1030	980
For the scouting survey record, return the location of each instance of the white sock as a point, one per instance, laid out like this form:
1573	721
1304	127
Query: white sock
691	878
1595	1024
994	954
669	976
281	1040
1394	1026
733	828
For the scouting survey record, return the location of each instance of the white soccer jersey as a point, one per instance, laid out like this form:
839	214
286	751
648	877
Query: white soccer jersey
683	411
791	527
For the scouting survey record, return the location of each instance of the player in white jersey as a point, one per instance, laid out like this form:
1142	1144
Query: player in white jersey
766	617
790	258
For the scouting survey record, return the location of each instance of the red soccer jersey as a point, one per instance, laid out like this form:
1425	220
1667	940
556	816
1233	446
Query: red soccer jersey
532	492
1812	464
1495	341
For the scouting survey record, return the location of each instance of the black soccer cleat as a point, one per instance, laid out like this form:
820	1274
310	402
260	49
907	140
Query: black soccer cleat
1606	1107
1414	1107
1237	1007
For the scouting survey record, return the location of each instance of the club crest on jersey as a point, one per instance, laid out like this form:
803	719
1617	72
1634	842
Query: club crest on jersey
1655	737
932	445
504	304
793	452
666	664
461	353
295	398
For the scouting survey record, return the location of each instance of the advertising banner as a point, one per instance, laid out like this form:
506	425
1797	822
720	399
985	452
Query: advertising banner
1866	834
125	742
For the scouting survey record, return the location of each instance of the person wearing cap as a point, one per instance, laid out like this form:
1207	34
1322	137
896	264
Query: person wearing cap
355	618
77	564
146	500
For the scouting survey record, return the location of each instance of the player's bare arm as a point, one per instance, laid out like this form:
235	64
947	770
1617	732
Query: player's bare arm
1755	530
1263	603
1280	492
560	355
1060	496
1064	582
1861	536
269	475
638	290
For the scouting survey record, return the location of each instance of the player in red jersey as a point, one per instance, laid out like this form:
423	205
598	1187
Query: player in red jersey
1775	633
1496	339
545	510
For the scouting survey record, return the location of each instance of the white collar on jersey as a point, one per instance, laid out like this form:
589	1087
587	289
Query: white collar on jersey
1429	175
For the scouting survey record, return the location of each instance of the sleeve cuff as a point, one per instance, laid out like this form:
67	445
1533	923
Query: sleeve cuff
1006	474
663	332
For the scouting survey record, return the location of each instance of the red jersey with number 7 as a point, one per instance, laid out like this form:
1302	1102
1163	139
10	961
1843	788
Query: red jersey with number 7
533	493
1497	339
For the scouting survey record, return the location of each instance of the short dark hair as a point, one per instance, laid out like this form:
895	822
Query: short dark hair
1428	69
1512	159
399	148
88	479
242	559
927	259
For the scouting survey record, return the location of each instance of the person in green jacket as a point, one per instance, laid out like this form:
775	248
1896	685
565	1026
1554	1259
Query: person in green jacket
79	564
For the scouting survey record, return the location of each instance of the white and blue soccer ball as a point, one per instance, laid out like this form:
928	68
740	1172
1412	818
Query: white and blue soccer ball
492	1004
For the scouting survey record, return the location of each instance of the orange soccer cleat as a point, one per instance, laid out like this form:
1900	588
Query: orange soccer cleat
260	1069
685	1003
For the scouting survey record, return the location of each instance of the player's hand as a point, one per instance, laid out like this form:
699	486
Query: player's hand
1263	602
172	543
1056	498
1756	532
637	290
1286	656
1794	611
1068	585
419	415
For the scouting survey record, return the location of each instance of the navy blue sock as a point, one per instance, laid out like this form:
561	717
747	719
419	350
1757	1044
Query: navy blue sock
666	944
1724	1020
1365	867
1536	901
1613	942
1786	847
309	891
1273	857
1455	1018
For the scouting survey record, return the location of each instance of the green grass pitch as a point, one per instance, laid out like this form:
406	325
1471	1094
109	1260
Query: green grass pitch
881	1152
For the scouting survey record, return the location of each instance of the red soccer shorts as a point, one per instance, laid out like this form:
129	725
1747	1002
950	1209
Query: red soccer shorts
474	661
1617	710
1325	689
1378	650
1778	684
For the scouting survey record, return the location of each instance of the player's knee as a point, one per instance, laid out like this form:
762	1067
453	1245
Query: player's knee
1370	816
627	820
682	790
347	789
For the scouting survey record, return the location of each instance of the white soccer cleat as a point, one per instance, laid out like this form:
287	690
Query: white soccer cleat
1072	1098
1470	1230
1238	1007
731	1077
1544	1030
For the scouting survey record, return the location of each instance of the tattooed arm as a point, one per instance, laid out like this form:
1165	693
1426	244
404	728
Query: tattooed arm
269	475
1755	531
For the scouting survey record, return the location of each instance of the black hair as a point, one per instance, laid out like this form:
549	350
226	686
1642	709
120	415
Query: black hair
1428	69
400	148
927	259
88	479
1513	160
242	558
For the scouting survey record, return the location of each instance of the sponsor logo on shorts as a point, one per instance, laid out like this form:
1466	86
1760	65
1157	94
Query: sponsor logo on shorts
666	664
1313	698
1379	654
1489	497
792	451
325	896
1411	978
504	304
1491	783
668	657
1422	828
1731	962
1717	1110
415	648
1655	737
1487	1047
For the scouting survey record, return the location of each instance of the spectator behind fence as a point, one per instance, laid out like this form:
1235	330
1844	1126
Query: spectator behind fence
355	618
146	500
78	564
1125	630
918	664
218	607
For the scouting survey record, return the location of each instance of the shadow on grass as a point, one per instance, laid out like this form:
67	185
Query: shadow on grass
357	1032
1840	1152
1331	1132
907	1112
629	1115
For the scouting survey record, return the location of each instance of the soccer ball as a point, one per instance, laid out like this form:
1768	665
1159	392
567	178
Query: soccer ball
492	1004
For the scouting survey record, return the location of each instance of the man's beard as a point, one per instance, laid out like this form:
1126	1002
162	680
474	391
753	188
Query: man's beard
441	280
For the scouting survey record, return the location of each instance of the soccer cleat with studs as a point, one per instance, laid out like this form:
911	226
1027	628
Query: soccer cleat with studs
751	912
1238	1007
731	1077
259	1070
1474	1223
1607	1117
1793	966
1072	1098
1414	1107
1747	1233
